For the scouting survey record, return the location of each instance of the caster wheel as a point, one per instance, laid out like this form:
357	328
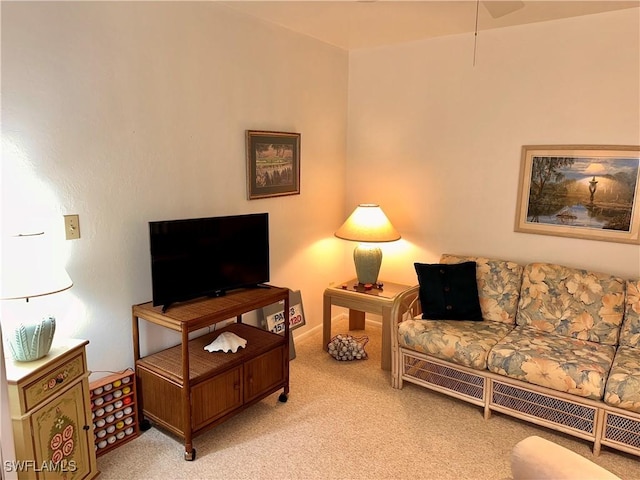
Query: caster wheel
145	425
190	457
283	398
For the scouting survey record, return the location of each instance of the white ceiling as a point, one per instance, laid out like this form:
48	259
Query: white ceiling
353	24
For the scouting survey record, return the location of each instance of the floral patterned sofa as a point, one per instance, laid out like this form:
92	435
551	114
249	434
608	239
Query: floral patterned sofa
553	345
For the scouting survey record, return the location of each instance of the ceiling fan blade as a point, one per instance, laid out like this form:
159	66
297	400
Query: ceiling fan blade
499	9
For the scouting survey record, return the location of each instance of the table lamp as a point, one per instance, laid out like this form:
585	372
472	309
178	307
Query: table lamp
368	225
29	269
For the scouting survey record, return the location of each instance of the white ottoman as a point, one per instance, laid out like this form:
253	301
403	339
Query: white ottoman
540	459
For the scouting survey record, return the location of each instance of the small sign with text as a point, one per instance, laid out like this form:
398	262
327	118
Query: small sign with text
274	314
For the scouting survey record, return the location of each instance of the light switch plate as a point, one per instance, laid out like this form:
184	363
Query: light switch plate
72	227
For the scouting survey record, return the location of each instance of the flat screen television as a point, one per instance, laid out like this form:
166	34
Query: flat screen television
200	257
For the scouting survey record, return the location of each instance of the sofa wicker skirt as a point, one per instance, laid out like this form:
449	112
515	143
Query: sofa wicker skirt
581	417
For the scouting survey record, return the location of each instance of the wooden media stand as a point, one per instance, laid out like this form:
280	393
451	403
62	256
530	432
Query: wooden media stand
186	389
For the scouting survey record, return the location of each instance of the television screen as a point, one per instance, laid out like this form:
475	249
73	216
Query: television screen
207	256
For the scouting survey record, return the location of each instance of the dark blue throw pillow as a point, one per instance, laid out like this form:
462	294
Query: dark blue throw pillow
449	291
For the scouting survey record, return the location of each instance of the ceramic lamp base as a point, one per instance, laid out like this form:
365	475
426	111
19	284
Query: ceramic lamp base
367	259
29	342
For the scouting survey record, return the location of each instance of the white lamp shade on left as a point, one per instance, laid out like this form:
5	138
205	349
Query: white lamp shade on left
30	268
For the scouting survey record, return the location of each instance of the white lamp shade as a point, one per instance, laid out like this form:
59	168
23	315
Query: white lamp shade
368	224
30	268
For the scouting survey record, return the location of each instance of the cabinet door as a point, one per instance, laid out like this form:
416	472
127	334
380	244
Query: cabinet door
215	397
263	373
61	437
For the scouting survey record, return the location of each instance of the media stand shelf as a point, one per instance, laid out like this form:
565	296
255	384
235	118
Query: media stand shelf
218	385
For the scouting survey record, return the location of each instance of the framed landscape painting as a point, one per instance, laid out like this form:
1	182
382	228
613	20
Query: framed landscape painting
590	192
273	164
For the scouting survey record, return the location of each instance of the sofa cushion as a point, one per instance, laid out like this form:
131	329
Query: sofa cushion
571	302
630	331
448	292
554	361
462	342
623	385
498	286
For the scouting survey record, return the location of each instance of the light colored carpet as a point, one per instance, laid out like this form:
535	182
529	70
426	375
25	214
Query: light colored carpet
344	421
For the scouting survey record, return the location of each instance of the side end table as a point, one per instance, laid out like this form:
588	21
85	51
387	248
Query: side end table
377	300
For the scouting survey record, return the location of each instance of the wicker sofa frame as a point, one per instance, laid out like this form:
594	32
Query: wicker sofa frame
591	420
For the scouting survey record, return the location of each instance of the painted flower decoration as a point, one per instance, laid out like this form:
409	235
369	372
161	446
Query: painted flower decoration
63	439
57	457
67	448
56	441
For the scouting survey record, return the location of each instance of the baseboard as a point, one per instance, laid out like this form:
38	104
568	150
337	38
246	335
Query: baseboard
302	333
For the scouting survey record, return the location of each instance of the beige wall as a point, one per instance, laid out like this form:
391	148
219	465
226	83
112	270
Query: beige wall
135	111
437	141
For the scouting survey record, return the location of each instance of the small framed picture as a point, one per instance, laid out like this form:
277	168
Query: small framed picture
273	164
590	192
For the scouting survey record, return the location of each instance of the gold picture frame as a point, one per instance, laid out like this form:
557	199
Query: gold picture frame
273	164
580	191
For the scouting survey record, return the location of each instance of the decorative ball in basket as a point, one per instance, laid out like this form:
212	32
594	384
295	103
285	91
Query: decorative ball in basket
347	347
